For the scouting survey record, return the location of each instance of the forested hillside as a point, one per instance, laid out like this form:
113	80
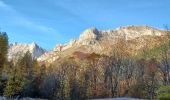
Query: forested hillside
89	75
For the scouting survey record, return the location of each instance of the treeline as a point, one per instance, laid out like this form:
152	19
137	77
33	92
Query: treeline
96	76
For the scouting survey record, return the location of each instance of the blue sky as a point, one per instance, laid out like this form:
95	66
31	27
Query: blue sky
50	22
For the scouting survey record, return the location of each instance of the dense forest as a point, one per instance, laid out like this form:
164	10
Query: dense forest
145	76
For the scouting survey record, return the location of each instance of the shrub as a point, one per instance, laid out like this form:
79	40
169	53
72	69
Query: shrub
163	93
138	91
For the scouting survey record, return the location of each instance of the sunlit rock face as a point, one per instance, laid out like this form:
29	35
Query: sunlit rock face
102	41
18	49
89	34
92	35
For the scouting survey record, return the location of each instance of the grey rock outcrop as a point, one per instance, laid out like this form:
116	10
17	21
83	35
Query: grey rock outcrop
18	49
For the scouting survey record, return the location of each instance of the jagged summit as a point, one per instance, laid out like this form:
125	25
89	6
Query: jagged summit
136	27
34	44
128	32
19	49
91	33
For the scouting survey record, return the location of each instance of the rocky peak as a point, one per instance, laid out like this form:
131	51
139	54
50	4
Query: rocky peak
140	30
18	49
58	48
33	44
132	32
128	32
89	34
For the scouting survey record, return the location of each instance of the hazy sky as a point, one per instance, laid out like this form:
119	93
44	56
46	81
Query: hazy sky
49	22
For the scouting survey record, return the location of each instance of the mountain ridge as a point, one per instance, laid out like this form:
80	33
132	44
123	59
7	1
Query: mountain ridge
102	41
92	40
